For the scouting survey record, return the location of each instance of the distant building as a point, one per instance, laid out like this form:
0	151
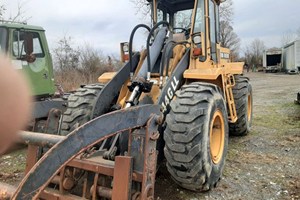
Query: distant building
272	60
291	57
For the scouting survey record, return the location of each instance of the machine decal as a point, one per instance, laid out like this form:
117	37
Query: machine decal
173	83
170	93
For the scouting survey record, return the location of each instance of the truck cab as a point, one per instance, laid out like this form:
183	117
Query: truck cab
27	47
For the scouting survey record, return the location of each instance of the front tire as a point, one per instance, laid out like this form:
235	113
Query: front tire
196	136
80	106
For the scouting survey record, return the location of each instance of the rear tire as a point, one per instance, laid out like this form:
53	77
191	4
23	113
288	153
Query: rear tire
196	136
80	106
242	93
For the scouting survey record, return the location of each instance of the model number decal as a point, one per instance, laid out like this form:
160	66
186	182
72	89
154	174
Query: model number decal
170	94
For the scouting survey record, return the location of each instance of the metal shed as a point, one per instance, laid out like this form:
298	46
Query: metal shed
291	57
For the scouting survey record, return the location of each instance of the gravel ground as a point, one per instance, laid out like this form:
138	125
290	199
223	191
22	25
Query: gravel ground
262	165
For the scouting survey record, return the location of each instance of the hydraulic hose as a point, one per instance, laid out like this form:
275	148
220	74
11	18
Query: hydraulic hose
148	45
170	55
130	45
162	64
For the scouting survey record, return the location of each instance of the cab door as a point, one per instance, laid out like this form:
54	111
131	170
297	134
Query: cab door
35	65
213	30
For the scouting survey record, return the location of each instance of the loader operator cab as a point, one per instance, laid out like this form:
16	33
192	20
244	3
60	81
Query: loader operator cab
189	17
179	20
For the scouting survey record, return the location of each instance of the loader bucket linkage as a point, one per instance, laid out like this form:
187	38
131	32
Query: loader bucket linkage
128	181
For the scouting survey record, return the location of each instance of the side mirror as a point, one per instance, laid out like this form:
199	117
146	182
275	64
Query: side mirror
28	47
28	43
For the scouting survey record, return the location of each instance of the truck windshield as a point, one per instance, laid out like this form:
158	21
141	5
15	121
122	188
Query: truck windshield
3	39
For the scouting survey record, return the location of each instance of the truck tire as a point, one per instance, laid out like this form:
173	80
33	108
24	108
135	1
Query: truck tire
196	136
242	93
80	106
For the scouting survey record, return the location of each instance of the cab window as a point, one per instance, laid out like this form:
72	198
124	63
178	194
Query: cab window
3	39
199	18
18	44
183	18
212	25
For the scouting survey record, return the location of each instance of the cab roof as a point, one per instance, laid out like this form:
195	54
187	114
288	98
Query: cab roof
172	6
21	26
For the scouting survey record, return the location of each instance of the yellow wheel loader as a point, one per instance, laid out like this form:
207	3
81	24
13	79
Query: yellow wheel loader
178	99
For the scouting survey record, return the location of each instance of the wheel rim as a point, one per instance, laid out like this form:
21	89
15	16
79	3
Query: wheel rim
249	108
217	137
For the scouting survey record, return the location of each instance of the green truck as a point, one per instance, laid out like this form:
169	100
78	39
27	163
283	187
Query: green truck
28	49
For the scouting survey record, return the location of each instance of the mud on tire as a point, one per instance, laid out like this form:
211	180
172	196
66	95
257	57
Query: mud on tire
242	93
189	125
80	106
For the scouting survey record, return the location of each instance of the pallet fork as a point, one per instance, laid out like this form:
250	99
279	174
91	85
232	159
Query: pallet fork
48	177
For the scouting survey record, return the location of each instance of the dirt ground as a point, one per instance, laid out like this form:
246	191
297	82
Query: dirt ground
262	165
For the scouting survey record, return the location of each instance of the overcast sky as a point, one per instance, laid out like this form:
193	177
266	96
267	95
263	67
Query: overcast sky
105	23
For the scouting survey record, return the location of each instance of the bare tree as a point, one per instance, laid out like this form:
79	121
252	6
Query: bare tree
2	11
288	37
75	66
65	56
228	37
298	33
258	47
254	52
248	55
19	16
183	19
226	11
142	7
93	63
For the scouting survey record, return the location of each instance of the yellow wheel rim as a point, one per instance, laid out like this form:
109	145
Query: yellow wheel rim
249	112
217	137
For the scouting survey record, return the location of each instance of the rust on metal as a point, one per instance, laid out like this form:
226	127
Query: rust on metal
104	167
94	189
68	150
68	183
56	180
104	192
150	161
51	194
39	139
61	179
122	177
52	123
32	157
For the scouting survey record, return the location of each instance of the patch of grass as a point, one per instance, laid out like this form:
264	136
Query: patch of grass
13	163
254	132
279	117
